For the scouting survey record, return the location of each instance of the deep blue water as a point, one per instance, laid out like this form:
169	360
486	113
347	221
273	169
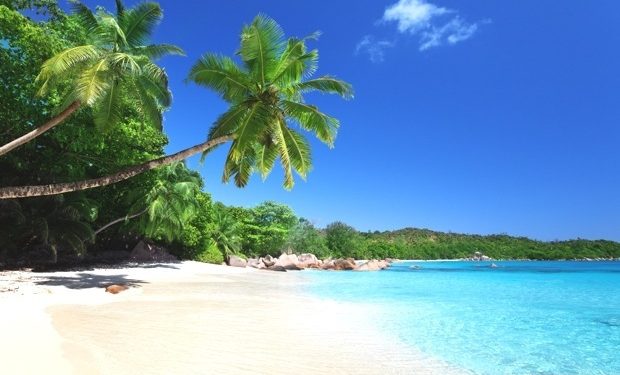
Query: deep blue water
518	318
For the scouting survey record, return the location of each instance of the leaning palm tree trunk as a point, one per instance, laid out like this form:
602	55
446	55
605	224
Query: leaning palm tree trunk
67	187
62	116
120	219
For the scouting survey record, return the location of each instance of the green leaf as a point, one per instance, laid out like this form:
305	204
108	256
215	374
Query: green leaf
139	22
310	118
261	43
327	84
222	75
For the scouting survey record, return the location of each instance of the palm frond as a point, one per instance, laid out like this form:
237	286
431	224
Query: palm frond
148	104
222	75
239	165
138	22
299	151
107	111
327	84
58	66
229	121
266	155
261	44
156	51
159	90
92	83
249	128
120	10
110	31
310	118
85	17
124	64
295	63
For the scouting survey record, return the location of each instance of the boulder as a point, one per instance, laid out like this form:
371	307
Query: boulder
255	263
371	265
268	261
308	260
328	264
235	261
288	262
144	252
276	268
344	264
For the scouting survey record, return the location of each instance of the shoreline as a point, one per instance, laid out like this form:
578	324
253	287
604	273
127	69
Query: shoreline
194	318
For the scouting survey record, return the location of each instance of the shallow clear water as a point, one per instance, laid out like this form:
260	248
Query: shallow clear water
517	318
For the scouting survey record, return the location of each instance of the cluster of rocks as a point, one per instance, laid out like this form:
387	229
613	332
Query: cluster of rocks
293	262
479	257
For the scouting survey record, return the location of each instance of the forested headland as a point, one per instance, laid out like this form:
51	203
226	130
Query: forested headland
96	178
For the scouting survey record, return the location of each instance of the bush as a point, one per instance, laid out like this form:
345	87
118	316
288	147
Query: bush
211	254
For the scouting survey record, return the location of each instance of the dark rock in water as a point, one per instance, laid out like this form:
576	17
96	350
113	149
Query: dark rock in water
276	268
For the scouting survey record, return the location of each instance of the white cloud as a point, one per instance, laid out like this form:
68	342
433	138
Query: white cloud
374	48
428	21
413	15
452	32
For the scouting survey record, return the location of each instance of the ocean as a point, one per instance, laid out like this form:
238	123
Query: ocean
516	318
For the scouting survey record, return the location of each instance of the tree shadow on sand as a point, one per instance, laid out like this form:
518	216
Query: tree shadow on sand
84	280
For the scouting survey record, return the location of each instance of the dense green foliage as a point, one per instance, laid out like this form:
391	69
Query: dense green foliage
168	205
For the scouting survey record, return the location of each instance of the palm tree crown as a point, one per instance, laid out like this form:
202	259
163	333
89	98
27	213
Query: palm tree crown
117	61
266	97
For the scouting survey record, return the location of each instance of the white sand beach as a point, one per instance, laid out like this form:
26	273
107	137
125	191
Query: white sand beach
190	318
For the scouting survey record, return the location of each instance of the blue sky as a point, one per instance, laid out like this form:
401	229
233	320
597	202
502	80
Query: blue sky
477	117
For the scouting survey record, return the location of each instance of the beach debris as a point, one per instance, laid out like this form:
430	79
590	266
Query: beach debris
116	288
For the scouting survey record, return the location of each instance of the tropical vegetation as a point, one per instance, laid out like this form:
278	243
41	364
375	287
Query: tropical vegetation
95	73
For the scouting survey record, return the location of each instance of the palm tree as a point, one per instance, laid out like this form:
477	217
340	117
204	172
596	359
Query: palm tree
167	206
47	225
117	61
266	97
226	232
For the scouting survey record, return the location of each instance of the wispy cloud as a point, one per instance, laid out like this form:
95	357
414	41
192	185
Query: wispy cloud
374	48
434	25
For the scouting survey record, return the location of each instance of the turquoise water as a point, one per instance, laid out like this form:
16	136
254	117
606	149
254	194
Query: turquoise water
517	318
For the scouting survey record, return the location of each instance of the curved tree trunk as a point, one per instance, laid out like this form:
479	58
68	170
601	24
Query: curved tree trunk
62	116
119	220
67	187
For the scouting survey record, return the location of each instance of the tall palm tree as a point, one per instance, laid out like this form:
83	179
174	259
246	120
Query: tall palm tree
266	97
167	206
116	61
